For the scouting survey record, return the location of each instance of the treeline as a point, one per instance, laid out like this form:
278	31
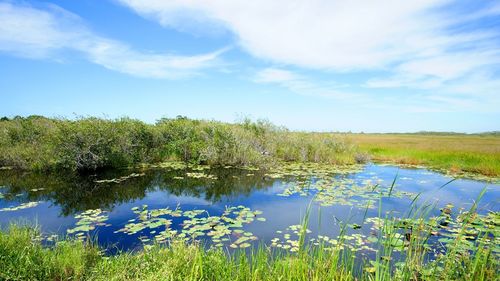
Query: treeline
41	143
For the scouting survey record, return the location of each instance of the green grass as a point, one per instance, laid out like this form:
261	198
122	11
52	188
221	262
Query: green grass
456	153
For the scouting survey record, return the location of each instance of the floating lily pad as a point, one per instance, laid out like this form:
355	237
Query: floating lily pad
88	221
20	207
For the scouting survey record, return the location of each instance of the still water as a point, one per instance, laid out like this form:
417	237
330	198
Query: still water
275	201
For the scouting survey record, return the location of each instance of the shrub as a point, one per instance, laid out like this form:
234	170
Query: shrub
92	143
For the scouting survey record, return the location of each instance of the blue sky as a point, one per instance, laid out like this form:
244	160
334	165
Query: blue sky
321	65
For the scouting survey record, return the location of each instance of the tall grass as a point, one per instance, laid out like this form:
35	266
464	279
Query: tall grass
457	153
43	143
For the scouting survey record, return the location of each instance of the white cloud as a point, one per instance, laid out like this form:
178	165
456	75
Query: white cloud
322	33
452	97
276	75
45	33
318	33
428	45
303	85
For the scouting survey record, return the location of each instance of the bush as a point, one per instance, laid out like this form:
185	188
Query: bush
92	143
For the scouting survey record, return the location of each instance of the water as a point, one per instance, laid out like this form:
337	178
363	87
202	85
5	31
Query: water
62	196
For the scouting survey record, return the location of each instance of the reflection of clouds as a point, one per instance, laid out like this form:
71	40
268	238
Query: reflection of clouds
460	193
161	197
277	187
291	210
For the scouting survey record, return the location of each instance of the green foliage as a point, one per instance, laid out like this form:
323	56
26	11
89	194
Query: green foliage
22	257
92	143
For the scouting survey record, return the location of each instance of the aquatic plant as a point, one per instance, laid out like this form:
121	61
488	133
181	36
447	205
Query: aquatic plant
21	206
120	179
88	221
330	187
197	223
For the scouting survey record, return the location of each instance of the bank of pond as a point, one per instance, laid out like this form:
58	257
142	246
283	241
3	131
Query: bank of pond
293	221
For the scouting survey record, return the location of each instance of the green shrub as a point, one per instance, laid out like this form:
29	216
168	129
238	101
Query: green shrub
92	143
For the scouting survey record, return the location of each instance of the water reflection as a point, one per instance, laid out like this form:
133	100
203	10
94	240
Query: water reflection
74	193
64	195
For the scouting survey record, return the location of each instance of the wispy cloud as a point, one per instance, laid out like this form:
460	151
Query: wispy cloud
445	50
451	98
329	34
49	31
307	86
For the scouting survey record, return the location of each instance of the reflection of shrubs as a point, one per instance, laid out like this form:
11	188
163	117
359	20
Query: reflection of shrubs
37	142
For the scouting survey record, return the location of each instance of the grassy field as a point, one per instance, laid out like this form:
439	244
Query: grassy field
455	152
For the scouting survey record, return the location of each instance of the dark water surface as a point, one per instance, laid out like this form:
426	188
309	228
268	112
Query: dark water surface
62	196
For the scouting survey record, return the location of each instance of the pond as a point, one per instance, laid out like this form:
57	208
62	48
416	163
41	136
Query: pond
234	208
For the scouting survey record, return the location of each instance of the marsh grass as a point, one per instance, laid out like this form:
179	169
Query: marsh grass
456	153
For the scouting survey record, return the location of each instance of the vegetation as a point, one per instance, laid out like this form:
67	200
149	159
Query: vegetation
42	143
22	256
412	244
457	153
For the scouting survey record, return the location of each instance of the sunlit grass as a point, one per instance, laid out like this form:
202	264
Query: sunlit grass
454	153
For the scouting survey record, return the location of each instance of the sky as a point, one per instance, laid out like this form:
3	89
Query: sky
313	65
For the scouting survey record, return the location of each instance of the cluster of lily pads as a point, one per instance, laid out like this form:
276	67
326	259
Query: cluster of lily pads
468	230
120	179
462	233
329	191
196	171
330	185
88	221
226	228
286	242
290	240
171	165
304	170
200	175
151	219
20	207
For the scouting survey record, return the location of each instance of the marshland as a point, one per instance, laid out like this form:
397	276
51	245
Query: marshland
250	140
183	199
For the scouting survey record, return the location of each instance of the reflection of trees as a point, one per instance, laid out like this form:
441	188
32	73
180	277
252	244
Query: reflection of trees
75	192
229	183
